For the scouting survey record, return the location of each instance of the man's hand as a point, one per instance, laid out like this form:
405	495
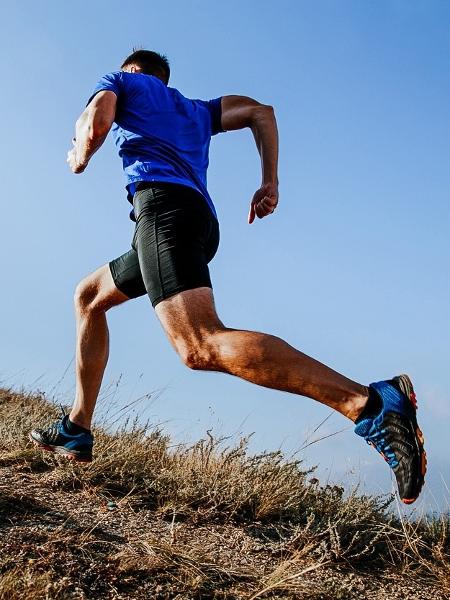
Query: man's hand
72	161
264	201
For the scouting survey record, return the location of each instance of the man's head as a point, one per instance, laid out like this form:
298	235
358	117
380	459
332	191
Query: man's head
148	62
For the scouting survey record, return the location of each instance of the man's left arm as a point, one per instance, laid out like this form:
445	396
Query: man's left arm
91	129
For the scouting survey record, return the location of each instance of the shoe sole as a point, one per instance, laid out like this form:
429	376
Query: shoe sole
406	387
61	451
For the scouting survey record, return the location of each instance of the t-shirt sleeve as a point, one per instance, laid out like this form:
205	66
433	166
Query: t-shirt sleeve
215	110
111	82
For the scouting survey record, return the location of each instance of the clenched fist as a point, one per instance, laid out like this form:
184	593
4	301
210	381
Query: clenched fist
72	160
264	201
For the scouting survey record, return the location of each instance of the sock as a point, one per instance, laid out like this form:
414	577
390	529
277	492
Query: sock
372	407
73	428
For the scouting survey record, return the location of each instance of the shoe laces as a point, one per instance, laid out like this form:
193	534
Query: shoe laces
53	430
377	441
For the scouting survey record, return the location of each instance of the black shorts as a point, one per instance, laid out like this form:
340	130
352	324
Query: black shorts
175	238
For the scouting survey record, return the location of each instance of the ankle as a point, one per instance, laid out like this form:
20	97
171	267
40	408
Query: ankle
356	404
76	425
373	405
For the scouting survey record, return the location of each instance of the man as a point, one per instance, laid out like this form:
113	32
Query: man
163	139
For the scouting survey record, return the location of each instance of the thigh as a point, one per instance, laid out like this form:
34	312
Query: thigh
175	238
189	317
126	274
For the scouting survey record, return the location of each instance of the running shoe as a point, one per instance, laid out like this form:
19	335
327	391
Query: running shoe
394	433
55	438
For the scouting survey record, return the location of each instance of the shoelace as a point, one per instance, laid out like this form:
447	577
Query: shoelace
376	440
53	430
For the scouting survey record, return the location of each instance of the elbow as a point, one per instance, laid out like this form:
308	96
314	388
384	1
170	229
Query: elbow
98	127
265	109
263	113
99	130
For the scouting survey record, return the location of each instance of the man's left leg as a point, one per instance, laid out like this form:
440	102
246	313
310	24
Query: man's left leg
385	412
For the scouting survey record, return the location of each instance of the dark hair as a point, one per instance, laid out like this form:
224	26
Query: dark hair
150	62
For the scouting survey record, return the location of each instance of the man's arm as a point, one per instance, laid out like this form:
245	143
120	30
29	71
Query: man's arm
239	112
91	129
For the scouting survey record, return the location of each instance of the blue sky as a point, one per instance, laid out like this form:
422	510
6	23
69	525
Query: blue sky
354	267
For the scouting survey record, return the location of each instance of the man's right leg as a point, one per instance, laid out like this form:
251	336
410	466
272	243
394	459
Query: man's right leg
109	286
94	295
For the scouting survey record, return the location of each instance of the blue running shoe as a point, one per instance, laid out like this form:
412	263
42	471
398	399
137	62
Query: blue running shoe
55	438
394	433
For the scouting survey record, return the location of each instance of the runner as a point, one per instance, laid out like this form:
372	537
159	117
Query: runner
163	139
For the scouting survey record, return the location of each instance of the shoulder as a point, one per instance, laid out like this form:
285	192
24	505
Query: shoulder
115	76
214	109
109	82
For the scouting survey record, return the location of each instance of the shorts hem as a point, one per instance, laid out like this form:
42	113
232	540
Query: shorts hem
176	291
130	294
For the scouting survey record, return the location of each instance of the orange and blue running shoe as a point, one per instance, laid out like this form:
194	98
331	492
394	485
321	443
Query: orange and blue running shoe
56	438
394	433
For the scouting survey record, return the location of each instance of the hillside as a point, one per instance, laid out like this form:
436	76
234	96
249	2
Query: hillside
148	520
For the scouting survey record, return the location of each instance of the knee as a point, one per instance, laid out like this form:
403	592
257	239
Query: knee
87	297
199	357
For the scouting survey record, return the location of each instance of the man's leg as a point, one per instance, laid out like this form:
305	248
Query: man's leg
71	436
94	295
385	412
203	342
112	284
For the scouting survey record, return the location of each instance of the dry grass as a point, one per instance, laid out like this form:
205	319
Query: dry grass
206	521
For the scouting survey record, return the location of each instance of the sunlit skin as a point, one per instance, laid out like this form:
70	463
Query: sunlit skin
189	318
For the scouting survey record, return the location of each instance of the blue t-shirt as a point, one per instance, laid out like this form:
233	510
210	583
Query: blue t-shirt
161	136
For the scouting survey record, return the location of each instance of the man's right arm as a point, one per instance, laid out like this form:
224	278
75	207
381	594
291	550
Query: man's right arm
91	129
239	112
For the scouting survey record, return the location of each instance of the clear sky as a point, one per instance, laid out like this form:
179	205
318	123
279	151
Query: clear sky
353	268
